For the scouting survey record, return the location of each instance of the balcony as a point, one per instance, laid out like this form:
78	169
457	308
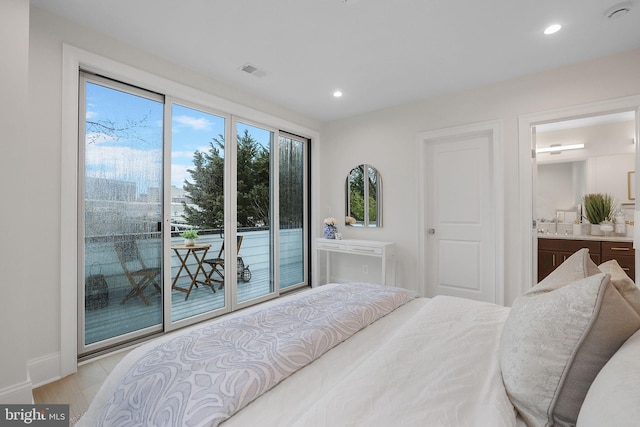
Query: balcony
117	319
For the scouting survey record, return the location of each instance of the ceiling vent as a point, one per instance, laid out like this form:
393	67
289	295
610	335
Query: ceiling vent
253	70
619	10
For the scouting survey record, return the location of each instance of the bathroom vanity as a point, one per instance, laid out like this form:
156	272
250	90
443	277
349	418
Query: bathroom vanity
554	249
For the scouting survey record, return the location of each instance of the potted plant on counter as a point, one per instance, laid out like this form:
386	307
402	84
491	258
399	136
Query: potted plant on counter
189	237
598	208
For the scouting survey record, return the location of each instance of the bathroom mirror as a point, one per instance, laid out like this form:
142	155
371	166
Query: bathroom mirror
363	192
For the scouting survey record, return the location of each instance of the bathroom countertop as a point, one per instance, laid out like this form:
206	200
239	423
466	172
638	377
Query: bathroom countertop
584	237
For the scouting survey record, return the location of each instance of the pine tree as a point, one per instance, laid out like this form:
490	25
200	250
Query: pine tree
206	190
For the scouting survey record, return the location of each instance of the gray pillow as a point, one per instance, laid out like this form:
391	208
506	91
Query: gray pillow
558	336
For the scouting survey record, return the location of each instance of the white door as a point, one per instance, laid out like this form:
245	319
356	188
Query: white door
460	217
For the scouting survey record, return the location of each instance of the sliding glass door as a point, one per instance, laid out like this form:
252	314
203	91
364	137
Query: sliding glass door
180	221
255	217
292	210
121	189
197	205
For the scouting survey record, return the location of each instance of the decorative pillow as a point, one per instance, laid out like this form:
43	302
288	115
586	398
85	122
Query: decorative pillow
558	336
622	282
613	397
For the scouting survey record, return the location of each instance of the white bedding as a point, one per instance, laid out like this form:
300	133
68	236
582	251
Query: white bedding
428	363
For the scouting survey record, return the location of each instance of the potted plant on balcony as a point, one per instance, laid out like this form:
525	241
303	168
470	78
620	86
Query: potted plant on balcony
598	208
189	237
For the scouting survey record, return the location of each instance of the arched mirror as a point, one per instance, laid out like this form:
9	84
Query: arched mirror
363	191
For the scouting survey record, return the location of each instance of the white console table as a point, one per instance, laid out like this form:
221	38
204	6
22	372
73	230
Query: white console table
385	251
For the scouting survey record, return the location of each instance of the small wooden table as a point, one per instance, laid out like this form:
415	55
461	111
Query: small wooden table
192	249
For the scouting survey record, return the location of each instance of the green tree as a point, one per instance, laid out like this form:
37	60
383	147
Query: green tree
253	182
206	189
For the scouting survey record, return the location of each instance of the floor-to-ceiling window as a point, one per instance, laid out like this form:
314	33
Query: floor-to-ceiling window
197	203
121	187
255	212
152	168
292	212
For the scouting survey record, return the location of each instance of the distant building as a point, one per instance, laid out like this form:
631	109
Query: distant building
110	189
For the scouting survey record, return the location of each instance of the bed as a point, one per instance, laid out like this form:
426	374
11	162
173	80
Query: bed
370	355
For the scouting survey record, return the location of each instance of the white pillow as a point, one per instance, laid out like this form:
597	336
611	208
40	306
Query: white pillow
558	336
613	397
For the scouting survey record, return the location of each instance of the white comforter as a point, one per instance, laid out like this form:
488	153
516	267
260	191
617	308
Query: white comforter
429	363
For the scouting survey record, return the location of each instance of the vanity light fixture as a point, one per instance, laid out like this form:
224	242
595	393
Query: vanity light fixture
552	29
556	149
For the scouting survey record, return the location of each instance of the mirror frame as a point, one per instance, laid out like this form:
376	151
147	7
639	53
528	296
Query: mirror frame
367	183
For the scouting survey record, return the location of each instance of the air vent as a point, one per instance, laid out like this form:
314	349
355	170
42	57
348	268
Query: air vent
619	10
253	70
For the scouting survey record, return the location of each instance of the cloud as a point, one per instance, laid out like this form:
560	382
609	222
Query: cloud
179	174
125	163
194	123
182	154
91	115
186	154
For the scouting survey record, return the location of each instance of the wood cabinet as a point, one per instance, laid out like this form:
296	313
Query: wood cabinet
623	253
553	252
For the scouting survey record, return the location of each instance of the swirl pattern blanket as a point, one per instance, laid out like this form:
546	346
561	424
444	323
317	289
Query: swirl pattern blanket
206	374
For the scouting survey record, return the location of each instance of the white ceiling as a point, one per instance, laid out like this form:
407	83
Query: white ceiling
379	53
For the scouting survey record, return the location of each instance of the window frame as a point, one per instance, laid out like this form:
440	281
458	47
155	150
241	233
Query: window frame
75	59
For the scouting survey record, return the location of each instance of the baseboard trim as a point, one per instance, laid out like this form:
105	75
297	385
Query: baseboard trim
44	369
17	393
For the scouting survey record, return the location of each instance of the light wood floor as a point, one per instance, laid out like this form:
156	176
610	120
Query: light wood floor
78	389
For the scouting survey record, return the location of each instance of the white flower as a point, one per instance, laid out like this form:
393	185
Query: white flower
330	221
349	220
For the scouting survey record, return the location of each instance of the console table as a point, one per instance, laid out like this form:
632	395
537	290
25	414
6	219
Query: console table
384	251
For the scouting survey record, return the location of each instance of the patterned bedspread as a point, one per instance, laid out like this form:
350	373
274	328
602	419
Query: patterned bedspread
206	374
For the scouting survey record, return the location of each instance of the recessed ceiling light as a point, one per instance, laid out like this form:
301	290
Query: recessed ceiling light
551	29
337	94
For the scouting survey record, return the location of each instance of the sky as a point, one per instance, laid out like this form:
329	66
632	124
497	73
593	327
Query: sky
132	150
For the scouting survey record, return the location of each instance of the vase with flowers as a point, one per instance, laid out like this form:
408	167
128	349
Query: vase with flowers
330	228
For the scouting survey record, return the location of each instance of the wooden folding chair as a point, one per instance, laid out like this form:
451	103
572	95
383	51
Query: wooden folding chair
217	265
139	278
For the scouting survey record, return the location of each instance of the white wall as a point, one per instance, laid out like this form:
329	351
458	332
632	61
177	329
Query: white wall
15	172
42	205
555	189
387	140
608	174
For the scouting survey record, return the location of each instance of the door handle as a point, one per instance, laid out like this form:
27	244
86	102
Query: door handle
431	231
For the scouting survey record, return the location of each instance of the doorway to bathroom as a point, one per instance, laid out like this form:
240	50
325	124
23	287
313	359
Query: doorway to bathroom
566	154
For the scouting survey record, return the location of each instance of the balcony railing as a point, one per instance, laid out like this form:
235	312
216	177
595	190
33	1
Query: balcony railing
115	318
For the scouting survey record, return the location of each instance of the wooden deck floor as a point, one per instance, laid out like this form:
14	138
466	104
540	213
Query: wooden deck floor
117	319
